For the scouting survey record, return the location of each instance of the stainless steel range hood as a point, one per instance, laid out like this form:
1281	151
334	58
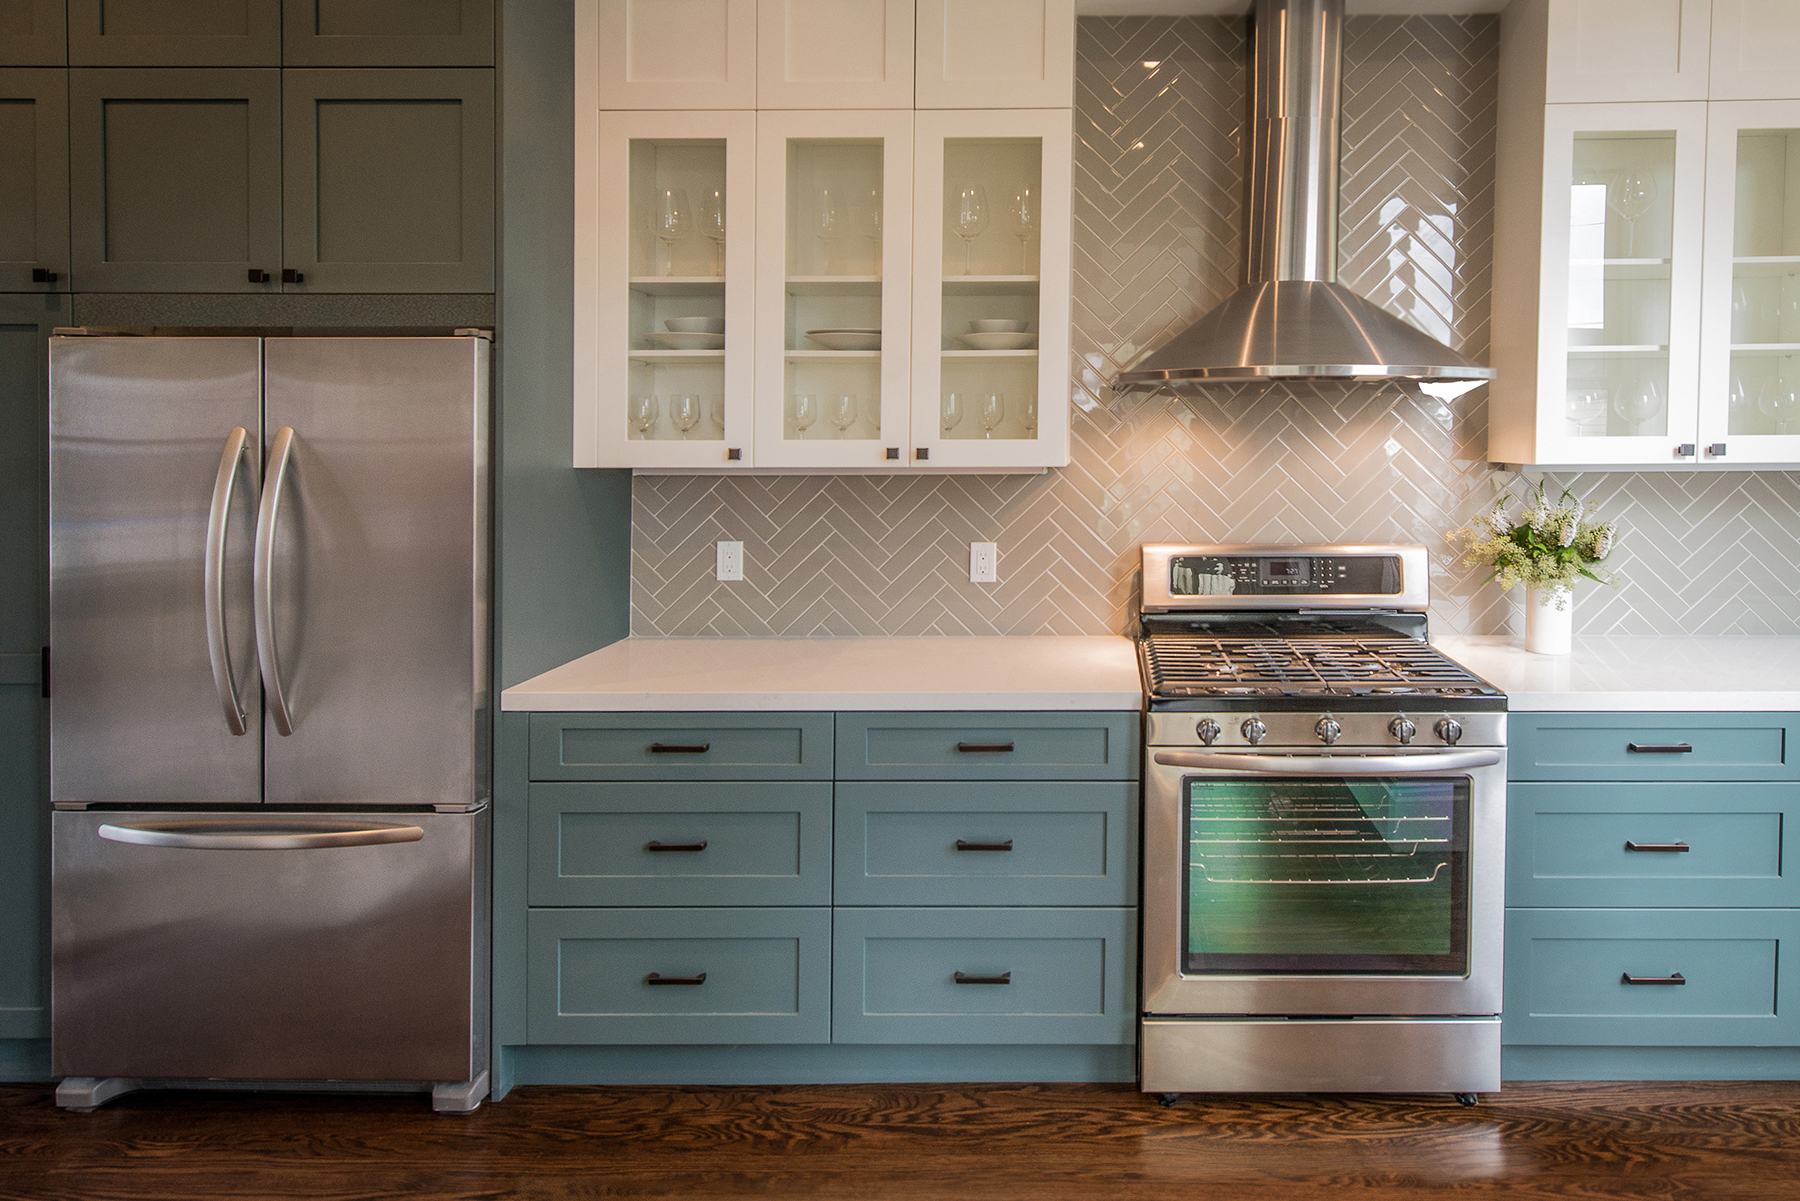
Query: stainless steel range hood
1292	319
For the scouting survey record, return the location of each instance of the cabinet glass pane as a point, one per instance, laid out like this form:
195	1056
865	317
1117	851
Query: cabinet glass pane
1765	285
992	211
833	336
1621	231
677	290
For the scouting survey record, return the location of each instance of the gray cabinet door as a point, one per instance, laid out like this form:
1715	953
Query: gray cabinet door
388	180
175	33
176	177
34	184
32	34
388	33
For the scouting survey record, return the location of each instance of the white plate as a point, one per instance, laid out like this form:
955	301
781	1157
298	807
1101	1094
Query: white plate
996	341
676	341
846	339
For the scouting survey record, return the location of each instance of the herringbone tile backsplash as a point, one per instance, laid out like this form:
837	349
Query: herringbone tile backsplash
1159	109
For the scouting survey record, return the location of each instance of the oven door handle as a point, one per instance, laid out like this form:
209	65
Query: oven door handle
1332	765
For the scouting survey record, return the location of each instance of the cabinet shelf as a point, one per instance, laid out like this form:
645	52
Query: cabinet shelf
990	285
990	354
678	356
678	285
832	354
1623	352
834	285
1627	268
1765	348
1765	265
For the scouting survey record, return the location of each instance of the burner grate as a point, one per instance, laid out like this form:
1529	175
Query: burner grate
1191	664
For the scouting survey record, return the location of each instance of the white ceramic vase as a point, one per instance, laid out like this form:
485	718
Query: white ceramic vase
1548	629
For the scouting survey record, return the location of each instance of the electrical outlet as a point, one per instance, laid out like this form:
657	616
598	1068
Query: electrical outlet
984	563
731	561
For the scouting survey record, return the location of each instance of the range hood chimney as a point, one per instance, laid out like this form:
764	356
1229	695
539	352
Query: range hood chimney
1292	319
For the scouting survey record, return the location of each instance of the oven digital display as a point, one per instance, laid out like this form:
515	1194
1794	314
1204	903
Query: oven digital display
1291	573
1364	876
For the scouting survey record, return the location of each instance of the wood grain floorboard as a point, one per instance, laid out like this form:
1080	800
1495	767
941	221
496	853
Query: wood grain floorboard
911	1143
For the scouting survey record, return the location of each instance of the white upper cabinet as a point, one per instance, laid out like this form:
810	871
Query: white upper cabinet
834	54
975	54
1755	50
1604	50
693	54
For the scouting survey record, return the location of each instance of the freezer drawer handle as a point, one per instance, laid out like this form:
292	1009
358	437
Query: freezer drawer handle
1662	748
984	846
984	748
680	748
675	846
1672	978
238	834
658	978
263	579
1002	978
1673	847
218	650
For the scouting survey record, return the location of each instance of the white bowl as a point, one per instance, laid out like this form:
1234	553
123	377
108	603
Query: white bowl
998	325
997	341
696	325
676	341
846	339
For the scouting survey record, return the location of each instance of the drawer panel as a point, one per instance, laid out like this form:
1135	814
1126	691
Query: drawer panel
1567	845
767	975
1069	976
1564	970
987	746
1069	844
1597	746
722	844
694	746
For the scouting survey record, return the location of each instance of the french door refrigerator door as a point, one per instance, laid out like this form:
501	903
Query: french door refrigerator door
371	571
155	454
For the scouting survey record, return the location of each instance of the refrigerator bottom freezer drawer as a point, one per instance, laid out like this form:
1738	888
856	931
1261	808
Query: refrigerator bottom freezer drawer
265	946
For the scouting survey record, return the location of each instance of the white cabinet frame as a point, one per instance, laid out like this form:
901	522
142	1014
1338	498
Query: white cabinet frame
698	54
828	54
1595	50
979	54
1755	50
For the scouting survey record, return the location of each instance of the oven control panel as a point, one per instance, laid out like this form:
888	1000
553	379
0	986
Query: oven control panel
1223	577
1317	730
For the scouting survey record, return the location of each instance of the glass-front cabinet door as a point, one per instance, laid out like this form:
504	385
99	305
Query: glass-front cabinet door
1619	326
834	224
991	289
1750	360
664	307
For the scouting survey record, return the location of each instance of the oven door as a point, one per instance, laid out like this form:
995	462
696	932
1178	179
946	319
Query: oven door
1324	885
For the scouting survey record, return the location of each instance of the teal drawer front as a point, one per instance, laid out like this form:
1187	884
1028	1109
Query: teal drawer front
1566	845
1597	746
987	746
1068	976
680	844
941	844
1564	970
681	746
767	975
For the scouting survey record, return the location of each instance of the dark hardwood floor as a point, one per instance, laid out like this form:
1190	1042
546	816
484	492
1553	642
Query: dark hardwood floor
1713	1140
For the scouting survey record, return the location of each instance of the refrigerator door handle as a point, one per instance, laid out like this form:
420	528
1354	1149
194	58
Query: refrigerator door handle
254	835
263	577
218	650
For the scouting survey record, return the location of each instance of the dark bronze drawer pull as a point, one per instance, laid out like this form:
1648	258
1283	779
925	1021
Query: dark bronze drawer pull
698	846
657	978
1657	846
1674	978
1002	978
1660	748
679	748
984	748
984	846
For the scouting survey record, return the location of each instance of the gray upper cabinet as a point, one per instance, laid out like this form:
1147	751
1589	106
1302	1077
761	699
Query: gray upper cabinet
34	183
388	33
388	180
174	33
32	33
176	177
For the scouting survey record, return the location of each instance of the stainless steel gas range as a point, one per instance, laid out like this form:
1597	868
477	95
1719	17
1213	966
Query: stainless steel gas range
1324	829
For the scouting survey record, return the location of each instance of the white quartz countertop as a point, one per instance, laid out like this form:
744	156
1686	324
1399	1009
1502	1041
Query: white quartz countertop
697	674
1638	672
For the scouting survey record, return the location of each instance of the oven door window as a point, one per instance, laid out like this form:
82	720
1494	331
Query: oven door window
1312	876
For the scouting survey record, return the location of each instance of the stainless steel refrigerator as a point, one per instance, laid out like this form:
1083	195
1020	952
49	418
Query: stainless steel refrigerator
269	722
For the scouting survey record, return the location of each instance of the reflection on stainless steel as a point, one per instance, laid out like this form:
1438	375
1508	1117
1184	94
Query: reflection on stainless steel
268	649
1292	320
218	649
258	834
1273	1055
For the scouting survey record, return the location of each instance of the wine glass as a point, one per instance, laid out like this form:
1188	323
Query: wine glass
993	412
1031	416
1586	411
1739	406
1780	399
971	220
643	410
950	413
715	411
684	411
806	411
840	410
830	224
1638	401
674	221
871	226
1022	219
712	222
1631	196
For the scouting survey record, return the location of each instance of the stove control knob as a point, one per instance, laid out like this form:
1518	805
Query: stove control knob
1449	729
1328	730
1209	731
1254	730
1403	729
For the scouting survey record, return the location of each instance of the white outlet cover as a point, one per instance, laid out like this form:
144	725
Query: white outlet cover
984	563
730	561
